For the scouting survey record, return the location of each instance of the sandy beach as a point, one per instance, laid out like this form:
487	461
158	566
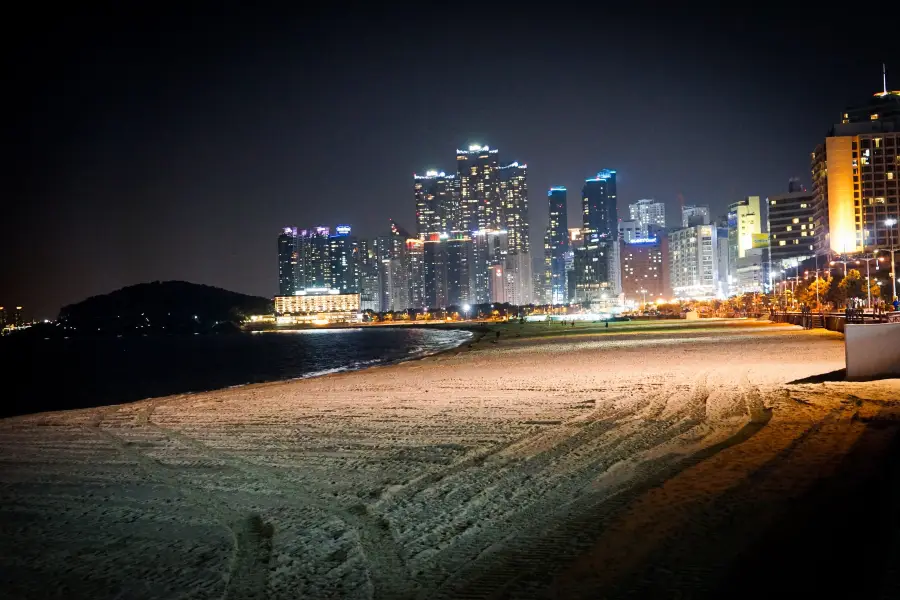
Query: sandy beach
664	459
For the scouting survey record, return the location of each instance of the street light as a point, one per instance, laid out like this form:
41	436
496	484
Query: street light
869	259
890	223
466	308
843	262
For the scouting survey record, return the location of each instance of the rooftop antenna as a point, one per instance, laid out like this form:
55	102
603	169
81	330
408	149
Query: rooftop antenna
884	77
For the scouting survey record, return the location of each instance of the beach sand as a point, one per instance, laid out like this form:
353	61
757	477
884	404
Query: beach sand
667	459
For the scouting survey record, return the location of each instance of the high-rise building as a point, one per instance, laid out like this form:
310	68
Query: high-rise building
722	267
437	209
694	215
558	241
314	258
478	188
745	221
599	213
693	264
648	213
514	198
855	176
488	250
790	225
517	261
415	275
369	282
597	276
445	268
344	259
458	251
287	261
645	269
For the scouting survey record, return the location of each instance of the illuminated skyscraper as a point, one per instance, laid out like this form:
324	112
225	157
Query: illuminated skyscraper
344	257
478	188
693	267
856	178
517	262
287	261
746	244
514	198
597	261
558	242
649	214
598	203
790	225
369	286
437	208
414	257
314	260
645	269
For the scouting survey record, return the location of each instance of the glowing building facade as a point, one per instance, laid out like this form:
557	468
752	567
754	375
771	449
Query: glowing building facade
479	190
855	176
790	225
596	263
649	214
645	269
437	206
287	261
557	244
693	264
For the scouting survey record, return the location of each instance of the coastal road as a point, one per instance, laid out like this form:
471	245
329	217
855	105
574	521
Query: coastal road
657	459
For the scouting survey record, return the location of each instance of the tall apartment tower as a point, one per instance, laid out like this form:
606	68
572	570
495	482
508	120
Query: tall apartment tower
287	261
649	214
599	212
344	261
558	244
790	225
596	262
855	177
693	268
479	189
516	265
437	209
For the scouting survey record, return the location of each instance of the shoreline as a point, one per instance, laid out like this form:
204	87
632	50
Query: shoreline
565	465
415	353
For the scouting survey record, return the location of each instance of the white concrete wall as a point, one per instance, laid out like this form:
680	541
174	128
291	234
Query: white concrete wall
872	350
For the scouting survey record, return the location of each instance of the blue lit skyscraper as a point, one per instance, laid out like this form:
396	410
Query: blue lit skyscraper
596	263
598	198
558	244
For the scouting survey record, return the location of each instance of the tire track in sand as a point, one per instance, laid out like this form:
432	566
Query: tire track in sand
251	538
568	521
387	571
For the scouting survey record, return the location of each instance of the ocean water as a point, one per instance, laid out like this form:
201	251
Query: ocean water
54	374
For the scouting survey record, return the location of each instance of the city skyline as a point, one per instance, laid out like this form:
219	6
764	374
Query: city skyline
183	167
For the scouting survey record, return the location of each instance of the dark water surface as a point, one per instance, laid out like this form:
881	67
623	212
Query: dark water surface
54	374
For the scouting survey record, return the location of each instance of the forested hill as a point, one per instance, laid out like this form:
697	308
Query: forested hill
167	306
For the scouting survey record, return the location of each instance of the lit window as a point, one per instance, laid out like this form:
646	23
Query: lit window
789	228
796	220
890	175
874	116
782	243
773	202
803	206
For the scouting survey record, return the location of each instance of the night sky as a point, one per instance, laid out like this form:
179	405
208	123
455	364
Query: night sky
150	146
